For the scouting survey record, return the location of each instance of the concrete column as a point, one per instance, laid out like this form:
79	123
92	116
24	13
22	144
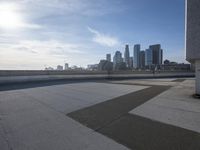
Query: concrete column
193	37
197	65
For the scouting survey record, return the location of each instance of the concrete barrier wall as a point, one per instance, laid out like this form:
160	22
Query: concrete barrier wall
31	78
7	73
45	72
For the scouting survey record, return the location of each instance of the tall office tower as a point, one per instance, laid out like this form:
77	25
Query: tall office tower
148	57
127	56
157	54
108	57
142	59
117	59
131	62
161	56
136	56
66	66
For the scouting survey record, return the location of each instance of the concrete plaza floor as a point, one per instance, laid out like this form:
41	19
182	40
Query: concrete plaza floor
86	115
175	106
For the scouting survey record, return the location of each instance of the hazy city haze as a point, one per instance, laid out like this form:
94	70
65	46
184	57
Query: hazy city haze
39	33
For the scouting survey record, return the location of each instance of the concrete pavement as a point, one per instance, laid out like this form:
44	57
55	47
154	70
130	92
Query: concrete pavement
175	106
129	114
35	118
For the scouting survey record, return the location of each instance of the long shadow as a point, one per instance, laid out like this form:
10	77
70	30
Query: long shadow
101	114
34	84
140	133
111	118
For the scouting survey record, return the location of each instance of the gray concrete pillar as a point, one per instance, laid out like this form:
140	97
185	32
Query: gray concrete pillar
197	66
193	37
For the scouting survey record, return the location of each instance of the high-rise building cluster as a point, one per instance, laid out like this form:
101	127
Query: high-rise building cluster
141	59
148	59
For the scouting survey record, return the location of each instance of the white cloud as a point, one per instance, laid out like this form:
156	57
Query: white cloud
104	39
81	7
24	47
30	26
27	54
50	47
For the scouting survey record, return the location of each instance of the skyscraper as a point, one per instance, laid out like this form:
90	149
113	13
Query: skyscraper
136	59
157	54
142	59
148	57
127	56
117	59
161	59
131	62
108	57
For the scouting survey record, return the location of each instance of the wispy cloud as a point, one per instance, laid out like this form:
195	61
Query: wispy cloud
30	26
35	54
81	7
23	25
103	39
50	47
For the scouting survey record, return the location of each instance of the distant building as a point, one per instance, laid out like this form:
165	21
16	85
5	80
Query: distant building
136	58
66	66
49	68
77	68
92	67
59	67
117	59
166	62
105	65
142	60
157	54
127	56
121	66
131	62
148	58
173	66
108	57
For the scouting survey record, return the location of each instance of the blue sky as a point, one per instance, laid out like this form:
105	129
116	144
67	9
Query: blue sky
81	32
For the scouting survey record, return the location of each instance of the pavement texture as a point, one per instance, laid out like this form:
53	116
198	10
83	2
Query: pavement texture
34	118
114	115
175	106
100	115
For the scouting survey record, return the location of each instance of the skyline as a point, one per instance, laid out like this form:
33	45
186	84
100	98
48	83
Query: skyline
145	59
81	32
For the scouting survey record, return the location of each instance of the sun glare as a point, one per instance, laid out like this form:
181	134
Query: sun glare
9	16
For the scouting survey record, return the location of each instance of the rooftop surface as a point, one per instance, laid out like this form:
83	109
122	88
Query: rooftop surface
151	114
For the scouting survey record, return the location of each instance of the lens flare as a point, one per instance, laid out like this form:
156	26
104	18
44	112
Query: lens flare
9	16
